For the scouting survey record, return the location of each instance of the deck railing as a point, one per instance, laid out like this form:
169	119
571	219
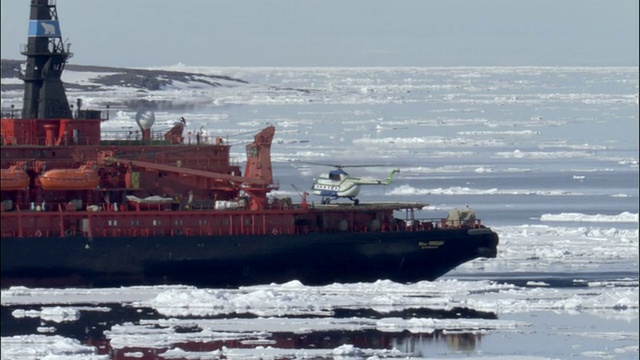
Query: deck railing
67	227
113	138
108	220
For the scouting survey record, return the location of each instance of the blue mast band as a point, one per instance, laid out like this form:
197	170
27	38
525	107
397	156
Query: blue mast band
44	28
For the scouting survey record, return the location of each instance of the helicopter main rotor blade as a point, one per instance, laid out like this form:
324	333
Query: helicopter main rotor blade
338	166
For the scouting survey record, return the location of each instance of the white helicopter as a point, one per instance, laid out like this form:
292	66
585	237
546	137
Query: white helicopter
338	184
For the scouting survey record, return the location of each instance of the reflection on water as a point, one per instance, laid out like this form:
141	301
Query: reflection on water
420	344
406	342
92	327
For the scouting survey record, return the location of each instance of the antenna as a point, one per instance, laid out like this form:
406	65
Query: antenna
303	195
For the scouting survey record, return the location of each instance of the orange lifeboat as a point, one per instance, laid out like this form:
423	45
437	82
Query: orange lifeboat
14	178
83	178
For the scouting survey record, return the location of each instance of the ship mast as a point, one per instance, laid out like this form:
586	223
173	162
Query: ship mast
44	95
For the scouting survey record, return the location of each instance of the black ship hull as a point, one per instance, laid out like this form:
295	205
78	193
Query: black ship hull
231	261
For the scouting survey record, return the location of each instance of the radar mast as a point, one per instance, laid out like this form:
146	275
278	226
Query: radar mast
44	95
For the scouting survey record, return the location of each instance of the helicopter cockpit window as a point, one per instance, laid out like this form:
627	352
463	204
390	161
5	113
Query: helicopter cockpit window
334	176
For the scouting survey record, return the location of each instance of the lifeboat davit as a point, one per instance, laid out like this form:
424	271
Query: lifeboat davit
83	178
14	178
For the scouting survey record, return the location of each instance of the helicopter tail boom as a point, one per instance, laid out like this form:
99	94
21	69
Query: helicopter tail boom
387	181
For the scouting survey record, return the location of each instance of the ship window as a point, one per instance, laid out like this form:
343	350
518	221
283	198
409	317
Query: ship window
113	222
179	222
135	222
253	152
202	222
225	221
157	222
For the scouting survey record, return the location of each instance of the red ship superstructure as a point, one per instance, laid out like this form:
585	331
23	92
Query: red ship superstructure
140	207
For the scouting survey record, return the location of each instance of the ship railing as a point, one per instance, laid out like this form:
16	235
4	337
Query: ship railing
466	223
63	220
131	137
11	112
134	137
107	138
401	226
438	223
42	141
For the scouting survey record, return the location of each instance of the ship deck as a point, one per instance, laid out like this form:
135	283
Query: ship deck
379	205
